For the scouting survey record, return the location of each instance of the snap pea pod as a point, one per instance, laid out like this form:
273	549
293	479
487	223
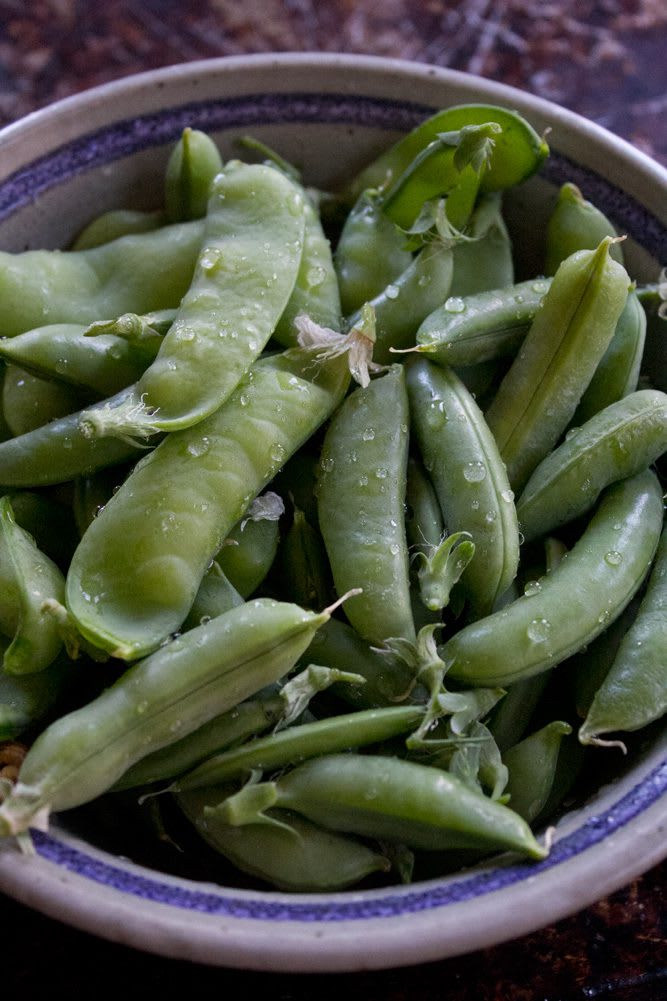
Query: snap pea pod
512	716
462	460
215	595
248	553
617	374
634	692
483	326
245	273
575	602
132	274
193	164
135	574
116	223
29	401
291	853
531	765
619	441
26	699
168	695
424	524
386	798
484	261
308	740
361	496
576	224
518	150
104	364
539	394
29	578
304	569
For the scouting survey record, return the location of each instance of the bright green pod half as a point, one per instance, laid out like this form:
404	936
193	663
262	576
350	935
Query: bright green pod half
116	223
576	224
193	164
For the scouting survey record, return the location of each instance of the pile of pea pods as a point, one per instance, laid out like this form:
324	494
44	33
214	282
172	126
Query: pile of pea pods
307	495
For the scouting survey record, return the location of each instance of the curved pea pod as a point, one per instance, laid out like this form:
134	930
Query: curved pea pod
424	524
619	441
484	261
216	595
481	327
249	550
539	394
308	740
104	364
518	150
29	401
462	459
617	374
245	273
290	852
575	602
634	692
315	291
132	274
135	574
116	223
193	164
386	798
59	451
361	496
576	224
26	699
29	578
531	765
168	695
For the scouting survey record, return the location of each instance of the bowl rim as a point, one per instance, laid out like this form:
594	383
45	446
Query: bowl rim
65	893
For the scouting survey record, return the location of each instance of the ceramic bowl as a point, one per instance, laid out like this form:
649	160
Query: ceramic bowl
329	114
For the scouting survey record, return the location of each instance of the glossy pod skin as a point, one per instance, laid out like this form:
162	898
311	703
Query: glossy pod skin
291	853
390	799
576	224
539	394
137	569
168	695
469	477
361	496
30	402
531	765
619	441
193	164
634	692
575	602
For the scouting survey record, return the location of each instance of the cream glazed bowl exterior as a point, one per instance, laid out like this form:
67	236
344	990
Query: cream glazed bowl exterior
330	115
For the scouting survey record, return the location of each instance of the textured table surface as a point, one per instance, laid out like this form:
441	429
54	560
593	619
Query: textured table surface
608	61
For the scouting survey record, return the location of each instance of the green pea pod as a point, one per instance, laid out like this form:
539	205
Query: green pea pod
304	569
576	224
532	768
193	164
518	150
26	699
215	596
481	327
386	798
484	261
246	270
104	364
513	714
139	330
134	577
29	401
617	375
116	223
617	442
168	695
132	274
248	553
291	853
462	460
298	743
575	602
361	499
634	692
539	395
29	579
424	524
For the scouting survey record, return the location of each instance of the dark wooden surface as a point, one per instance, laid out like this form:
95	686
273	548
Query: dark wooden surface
606	60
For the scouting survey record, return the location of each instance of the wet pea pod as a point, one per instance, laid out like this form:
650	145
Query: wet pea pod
29	401
215	595
361	497
193	164
245	273
532	765
166	696
424	524
483	326
617	442
386	798
250	548
576	224
137	274
539	394
575	602
135	574
289	852
462	460
634	692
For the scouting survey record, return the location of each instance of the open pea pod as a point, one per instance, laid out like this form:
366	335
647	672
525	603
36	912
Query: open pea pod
518	150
